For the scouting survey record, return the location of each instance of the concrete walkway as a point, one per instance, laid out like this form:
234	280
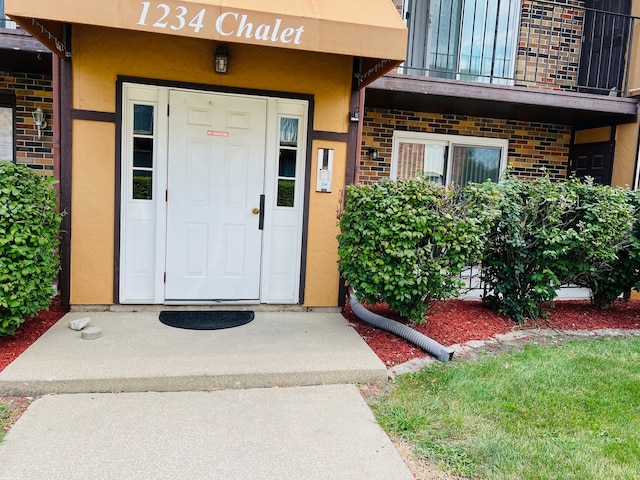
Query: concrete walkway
192	410
137	353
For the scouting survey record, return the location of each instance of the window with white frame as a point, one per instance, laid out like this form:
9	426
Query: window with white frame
7	130
448	159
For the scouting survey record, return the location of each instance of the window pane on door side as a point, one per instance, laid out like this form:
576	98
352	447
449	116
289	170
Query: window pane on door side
143	119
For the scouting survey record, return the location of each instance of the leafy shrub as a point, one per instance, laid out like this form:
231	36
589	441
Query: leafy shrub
555	233
406	242
29	227
525	260
613	262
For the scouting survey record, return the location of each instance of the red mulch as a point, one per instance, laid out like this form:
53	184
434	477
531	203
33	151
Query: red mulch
459	321
29	332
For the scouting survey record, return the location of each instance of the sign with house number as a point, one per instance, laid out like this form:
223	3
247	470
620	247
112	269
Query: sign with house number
226	24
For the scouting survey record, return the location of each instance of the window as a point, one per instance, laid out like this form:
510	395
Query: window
287	162
7	128
471	40
448	159
143	137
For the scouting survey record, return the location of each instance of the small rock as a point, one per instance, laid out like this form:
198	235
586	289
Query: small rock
79	323
91	333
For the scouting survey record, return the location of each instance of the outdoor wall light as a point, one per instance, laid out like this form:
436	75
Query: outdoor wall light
39	120
221	60
373	153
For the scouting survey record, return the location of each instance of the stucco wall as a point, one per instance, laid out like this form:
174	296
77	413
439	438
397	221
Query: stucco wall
626	153
100	55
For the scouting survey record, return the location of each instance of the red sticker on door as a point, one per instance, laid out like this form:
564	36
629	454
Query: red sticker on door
217	133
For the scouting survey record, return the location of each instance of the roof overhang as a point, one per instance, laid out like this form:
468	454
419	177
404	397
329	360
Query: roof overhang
424	94
367	29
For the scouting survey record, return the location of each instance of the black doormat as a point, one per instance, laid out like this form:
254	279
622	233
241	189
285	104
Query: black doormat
213	320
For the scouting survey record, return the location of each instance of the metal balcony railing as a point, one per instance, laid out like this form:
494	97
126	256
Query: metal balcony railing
561	45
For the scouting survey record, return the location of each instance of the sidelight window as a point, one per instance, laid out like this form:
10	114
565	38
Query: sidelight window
287	161
143	152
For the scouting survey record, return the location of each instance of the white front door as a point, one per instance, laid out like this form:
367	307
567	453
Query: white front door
216	162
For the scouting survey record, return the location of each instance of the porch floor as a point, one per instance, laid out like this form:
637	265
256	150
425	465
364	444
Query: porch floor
137	353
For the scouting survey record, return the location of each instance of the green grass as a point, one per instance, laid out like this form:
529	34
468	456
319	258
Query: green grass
3	412
564	412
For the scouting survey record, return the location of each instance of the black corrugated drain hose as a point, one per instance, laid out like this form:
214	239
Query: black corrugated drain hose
442	353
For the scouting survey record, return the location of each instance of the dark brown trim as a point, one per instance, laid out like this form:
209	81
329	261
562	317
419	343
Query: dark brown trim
353	159
7	99
307	199
117	194
330	136
93	116
435	95
205	87
65	97
55	74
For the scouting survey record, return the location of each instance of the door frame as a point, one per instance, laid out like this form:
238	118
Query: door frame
279	104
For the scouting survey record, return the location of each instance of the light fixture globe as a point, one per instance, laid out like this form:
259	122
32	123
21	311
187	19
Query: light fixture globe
221	59
39	120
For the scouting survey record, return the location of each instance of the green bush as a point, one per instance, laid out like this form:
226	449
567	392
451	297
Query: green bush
406	242
619	219
525	260
29	227
551	233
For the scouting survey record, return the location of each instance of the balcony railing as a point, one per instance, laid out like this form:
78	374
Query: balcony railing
559	45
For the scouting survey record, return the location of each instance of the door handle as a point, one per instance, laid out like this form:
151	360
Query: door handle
255	210
261	212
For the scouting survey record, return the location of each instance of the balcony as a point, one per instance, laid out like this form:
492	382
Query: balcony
522	59
20	52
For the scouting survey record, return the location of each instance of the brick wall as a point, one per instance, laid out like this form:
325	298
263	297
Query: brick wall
31	91
533	147
549	44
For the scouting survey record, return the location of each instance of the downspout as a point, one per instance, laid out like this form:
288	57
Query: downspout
442	353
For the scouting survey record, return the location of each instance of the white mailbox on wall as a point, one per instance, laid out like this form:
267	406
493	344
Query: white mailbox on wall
325	170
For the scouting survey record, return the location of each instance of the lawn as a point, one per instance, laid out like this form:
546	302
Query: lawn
570	411
3	423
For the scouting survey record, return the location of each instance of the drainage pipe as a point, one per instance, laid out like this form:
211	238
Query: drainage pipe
442	353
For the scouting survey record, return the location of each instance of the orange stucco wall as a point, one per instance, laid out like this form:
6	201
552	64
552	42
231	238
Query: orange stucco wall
627	135
93	200
625	155
592	135
100	55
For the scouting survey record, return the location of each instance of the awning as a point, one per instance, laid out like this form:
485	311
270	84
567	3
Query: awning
369	29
